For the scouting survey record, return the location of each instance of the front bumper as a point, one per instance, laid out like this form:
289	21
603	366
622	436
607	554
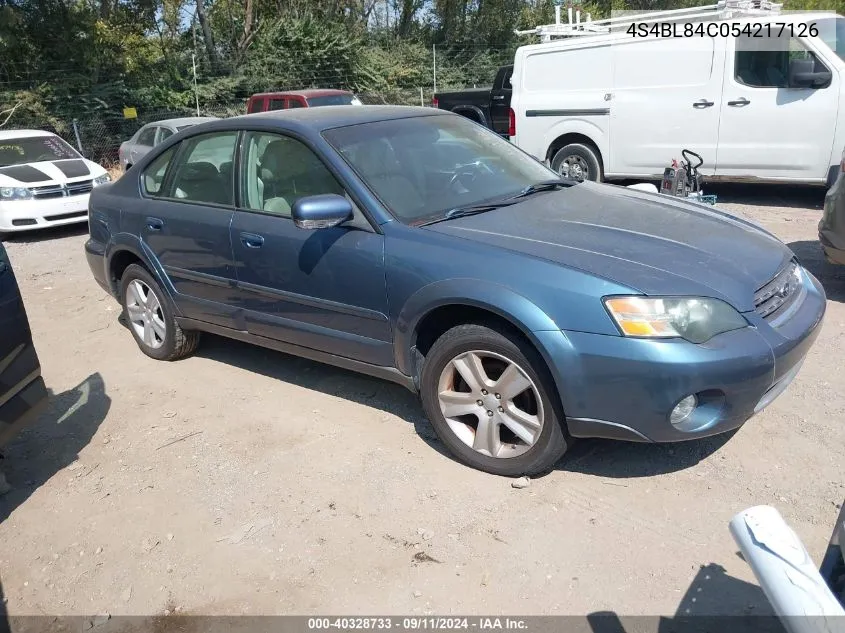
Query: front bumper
625	388
26	215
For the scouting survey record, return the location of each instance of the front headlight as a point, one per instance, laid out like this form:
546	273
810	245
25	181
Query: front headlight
101	180
696	319
15	193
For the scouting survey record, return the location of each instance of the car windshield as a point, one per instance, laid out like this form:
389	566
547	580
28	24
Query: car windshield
832	33
325	100
32	149
423	167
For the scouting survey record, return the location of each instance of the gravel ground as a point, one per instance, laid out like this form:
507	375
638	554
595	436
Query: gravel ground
245	481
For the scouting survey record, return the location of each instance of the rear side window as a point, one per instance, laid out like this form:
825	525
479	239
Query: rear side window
147	136
203	172
164	133
153	178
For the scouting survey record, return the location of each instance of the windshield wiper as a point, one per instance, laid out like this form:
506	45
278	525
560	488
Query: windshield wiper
470	209
545	185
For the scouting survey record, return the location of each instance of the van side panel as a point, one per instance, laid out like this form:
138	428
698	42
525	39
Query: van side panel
666	97
562	91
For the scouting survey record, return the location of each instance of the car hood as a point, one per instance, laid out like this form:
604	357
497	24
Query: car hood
47	172
652	243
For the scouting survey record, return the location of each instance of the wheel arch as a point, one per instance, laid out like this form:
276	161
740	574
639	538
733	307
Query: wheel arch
574	137
125	250
471	112
440	306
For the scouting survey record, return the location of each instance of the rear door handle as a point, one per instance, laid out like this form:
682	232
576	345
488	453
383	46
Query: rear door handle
739	102
251	240
155	224
702	103
498	97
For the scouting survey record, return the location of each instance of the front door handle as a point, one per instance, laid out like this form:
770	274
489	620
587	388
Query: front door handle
251	240
742	101
498	97
702	103
155	224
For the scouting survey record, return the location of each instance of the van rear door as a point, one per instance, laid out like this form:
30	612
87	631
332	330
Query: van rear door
666	97
22	390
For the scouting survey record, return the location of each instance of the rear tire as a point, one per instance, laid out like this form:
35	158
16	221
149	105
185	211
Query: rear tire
150	318
578	162
501	435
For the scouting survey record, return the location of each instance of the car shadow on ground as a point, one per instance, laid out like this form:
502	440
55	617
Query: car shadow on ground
831	276
334	381
46	234
53	442
596	457
714	601
789	196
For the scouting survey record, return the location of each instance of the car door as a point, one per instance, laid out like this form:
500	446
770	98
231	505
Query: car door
500	100
768	129
665	98
186	222
22	390
144	143
323	289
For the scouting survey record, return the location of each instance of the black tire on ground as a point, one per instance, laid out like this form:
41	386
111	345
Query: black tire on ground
553	440
584	152
177	343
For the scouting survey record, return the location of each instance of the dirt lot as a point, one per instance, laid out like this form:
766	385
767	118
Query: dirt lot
246	481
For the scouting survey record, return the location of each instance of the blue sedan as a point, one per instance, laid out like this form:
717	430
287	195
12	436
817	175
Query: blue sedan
414	245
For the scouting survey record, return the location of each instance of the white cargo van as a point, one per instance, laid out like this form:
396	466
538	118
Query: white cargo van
756	107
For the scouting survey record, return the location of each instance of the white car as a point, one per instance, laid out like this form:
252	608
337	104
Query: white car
43	181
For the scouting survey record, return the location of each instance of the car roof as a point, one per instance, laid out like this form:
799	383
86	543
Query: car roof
188	120
326	117
10	134
313	92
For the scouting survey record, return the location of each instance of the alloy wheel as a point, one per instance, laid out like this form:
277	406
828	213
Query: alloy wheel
145	314
491	404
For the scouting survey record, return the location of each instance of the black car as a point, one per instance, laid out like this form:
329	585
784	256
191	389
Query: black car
490	107
832	224
22	390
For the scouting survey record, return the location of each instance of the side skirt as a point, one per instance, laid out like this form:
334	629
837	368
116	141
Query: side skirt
385	373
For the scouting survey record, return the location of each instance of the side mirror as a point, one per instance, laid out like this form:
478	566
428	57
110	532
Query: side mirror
321	212
802	75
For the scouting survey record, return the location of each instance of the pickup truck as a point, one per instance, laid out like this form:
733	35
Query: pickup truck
488	106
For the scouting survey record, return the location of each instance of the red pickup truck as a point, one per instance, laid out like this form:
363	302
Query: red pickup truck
264	101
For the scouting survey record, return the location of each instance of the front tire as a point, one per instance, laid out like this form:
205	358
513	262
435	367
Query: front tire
150	317
492	403
577	162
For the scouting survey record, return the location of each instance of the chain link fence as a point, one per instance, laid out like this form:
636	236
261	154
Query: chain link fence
98	136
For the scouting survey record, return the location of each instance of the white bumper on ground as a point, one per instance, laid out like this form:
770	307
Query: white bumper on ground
26	215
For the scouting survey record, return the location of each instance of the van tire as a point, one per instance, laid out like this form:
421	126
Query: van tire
583	157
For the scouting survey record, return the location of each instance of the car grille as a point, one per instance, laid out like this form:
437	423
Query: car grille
59	191
780	293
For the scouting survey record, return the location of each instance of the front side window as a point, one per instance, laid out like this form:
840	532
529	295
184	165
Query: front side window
278	171
422	167
153	178
32	149
203	172
763	62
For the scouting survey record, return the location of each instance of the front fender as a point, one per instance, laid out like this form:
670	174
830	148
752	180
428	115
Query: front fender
494	298
126	242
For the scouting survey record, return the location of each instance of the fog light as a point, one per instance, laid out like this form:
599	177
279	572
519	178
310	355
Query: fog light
683	410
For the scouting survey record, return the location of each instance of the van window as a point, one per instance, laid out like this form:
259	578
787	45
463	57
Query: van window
764	62
569	70
643	64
